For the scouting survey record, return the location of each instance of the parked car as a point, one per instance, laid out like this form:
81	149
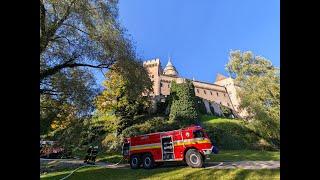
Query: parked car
51	149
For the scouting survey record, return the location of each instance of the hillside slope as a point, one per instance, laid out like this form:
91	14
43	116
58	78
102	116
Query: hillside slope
233	134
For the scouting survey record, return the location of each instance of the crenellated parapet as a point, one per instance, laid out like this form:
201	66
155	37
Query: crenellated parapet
151	63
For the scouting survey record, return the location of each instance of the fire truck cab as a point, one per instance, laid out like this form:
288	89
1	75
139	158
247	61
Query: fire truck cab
190	144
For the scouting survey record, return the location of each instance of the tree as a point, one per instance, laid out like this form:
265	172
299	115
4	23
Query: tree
259	92
76	38
79	33
184	106
123	94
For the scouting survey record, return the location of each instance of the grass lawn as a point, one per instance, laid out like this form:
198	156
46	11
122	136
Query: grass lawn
214	119
165	173
224	155
179	172
245	155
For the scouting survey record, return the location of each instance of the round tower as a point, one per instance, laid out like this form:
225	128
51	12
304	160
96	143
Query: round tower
170	70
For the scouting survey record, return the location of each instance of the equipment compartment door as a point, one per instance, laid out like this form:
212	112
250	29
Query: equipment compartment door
167	148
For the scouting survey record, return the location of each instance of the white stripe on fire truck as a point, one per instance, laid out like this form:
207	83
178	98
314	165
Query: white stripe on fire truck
177	142
145	146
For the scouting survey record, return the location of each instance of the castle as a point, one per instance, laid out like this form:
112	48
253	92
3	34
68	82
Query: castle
214	95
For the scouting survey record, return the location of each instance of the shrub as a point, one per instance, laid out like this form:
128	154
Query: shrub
201	106
112	143
156	124
184	106
226	111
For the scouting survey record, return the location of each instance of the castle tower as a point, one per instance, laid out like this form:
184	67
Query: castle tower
170	70
154	69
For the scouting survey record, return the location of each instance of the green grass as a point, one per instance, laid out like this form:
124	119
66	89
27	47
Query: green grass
223	156
214	119
245	155
165	173
234	134
110	158
179	172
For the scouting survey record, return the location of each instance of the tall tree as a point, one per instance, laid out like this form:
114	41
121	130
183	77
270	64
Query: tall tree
77	37
79	33
259	91
123	95
184	107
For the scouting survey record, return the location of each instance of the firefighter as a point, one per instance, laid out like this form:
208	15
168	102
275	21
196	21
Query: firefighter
91	155
87	158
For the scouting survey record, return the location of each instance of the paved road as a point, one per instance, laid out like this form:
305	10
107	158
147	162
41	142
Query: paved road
209	165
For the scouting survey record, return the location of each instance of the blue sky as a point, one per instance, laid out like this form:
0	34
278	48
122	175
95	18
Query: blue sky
198	35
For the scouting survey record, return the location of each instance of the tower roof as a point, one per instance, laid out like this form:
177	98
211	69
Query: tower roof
170	70
220	77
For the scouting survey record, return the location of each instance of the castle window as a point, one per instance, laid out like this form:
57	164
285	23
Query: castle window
161	84
197	90
168	85
152	76
228	104
204	91
217	94
220	103
211	92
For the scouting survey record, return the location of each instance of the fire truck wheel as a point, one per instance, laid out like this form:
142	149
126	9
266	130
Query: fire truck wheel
148	162
135	162
194	158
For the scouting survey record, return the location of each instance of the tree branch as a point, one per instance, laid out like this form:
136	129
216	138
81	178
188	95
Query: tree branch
57	68
50	32
76	28
42	18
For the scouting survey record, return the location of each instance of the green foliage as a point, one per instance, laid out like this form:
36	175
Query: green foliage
233	134
156	124
260	92
184	106
226	111
77	37
201	106
123	94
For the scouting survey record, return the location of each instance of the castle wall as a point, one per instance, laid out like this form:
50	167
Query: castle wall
228	83
212	94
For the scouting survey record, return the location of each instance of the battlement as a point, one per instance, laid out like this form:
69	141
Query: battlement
155	61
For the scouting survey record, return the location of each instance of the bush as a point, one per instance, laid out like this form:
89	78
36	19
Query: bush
200	106
156	124
226	111
112	143
184	106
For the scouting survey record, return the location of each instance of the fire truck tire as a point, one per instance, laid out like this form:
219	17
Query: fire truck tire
135	162
147	161
194	158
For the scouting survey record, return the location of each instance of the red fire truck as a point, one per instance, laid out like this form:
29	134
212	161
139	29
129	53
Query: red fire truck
190	144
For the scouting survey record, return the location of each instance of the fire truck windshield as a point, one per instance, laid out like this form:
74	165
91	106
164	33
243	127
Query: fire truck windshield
198	134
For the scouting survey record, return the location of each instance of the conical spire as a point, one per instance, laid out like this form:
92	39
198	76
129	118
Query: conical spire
169	62
170	69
